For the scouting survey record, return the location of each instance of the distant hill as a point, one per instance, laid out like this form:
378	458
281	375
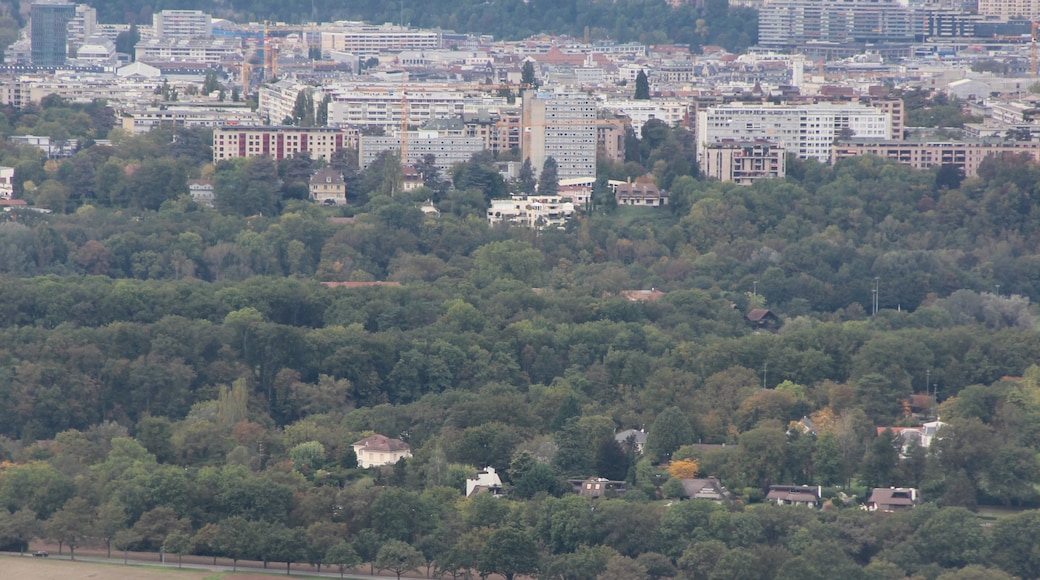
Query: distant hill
650	21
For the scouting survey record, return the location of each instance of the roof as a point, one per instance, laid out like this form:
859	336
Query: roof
324	175
696	486
637	190
651	295
379	442
759	314
794	493
895	496
640	436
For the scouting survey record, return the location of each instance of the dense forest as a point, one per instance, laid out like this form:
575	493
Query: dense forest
180	377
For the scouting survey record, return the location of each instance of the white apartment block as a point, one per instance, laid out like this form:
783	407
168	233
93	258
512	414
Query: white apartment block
198	50
280	142
794	22
143	119
1006	9
384	107
277	100
76	88
536	212
369	40
6	182
561	126
669	111
182	24
807	131
446	149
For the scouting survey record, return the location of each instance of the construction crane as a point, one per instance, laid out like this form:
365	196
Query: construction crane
1032	48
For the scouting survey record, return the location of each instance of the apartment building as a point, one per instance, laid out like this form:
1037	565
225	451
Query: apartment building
785	23
561	126
671	112
143	119
535	212
182	24
1008	9
82	26
807	131
195	50
385	107
610	138
744	162
964	155
446	149
369	40
280	142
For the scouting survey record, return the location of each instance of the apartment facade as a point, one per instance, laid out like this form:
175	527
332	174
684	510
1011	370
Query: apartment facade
182	24
536	212
784	23
1008	9
563	127
964	155
446	149
195	50
744	162
142	120
385	108
280	142
807	131
369	40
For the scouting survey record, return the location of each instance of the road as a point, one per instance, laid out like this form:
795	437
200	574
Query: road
275	569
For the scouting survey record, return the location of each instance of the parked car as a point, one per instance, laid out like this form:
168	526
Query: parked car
40	554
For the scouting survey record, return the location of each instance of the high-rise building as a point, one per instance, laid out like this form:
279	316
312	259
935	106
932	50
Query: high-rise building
81	27
808	131
182	24
49	32
784	23
561	126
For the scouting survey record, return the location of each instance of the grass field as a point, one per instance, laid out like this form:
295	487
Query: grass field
29	568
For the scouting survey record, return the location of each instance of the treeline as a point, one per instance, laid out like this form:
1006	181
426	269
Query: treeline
654	22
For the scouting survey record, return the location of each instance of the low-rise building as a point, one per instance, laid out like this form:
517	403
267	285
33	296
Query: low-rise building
140	120
379	450
6	182
537	211
640	194
707	488
964	155
891	499
327	187
744	162
201	191
801	495
280	142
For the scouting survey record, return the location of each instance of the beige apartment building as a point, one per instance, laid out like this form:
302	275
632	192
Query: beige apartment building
1005	9
965	155
280	143
744	162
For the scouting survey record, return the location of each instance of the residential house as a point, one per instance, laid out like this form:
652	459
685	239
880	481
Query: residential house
380	450
6	182
801	495
892	499
201	191
923	435
640	194
411	179
634	437
762	318
486	481
327	187
600	487
710	489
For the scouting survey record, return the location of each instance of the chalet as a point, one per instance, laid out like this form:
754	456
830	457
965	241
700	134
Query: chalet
892	499
640	194
762	318
802	495
380	450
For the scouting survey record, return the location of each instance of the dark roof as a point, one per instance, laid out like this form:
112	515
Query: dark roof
759	314
324	175
696	486
891	496
794	493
